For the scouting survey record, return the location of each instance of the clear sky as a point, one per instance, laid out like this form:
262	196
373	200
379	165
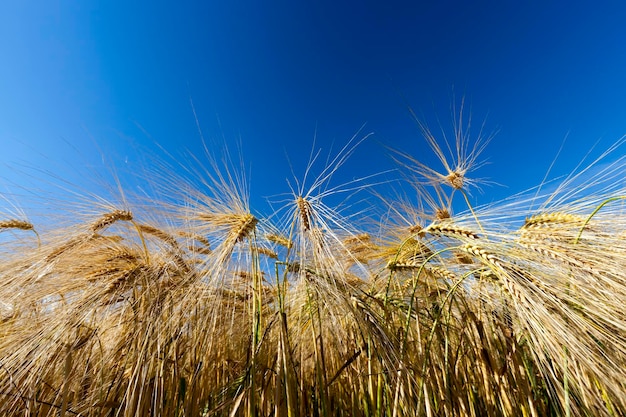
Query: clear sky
82	81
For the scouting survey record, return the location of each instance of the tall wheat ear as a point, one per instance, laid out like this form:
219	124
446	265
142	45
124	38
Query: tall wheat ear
458	159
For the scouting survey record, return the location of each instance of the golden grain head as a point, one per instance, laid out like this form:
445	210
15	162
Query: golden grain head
110	218
442	214
357	239
554	218
456	179
247	225
415	248
449	229
416	229
16	224
236	226
279	240
158	233
394	265
304	208
265	251
442	272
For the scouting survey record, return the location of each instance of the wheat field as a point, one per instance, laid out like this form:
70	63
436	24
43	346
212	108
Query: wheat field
193	305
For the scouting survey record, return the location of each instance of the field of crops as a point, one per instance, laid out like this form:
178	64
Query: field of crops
194	305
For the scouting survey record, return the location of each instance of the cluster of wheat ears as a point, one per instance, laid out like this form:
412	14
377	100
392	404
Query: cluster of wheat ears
198	307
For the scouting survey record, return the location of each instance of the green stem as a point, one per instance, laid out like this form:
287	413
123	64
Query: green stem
593	213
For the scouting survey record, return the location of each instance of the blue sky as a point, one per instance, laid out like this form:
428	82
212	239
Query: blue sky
85	85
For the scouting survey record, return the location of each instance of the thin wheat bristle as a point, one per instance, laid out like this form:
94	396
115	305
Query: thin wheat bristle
121	279
245	275
317	235
196	237
411	254
60	250
110	218
199	249
118	267
294	267
248	277
353	280
111	239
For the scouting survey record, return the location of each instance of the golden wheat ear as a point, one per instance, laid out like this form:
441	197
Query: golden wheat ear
16	224
20	225
279	240
109	218
458	159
